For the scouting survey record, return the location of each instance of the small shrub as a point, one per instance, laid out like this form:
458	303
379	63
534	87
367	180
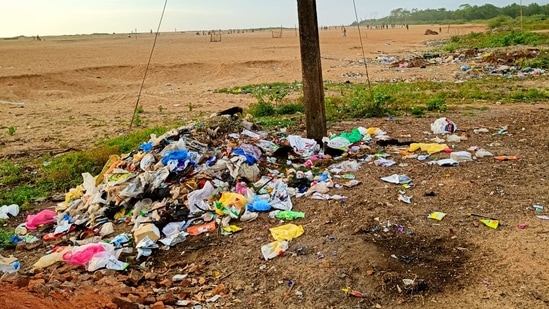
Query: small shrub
11	130
418	111
262	109
137	120
436	104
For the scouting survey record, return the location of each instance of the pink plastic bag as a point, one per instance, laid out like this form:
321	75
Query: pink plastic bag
83	254
44	217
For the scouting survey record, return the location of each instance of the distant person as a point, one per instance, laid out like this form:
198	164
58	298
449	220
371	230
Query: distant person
439	30
406	26
344	32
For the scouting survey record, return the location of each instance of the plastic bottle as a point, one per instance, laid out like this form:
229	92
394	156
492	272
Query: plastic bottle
9	265
48	260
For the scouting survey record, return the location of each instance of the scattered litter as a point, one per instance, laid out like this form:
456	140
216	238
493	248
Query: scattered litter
490	223
436	215
443	126
447	162
397	179
481	153
404	198
506	158
430	148
461	156
274	249
286	232
9	264
6	210
290	215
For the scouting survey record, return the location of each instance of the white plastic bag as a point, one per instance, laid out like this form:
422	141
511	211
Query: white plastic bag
197	198
12	209
443	126
280	197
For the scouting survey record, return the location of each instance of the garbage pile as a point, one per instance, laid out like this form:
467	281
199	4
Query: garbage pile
207	178
474	63
203	178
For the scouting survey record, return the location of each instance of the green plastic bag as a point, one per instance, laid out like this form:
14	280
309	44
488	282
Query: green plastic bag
290	215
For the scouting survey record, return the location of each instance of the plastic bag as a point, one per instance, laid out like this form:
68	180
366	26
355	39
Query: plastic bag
430	148
443	126
6	210
197	198
259	205
354	136
461	156
274	249
146	162
397	179
345	166
286	231
233	199
289	215
104	258
83	254
45	216
280	198
337	142
174	155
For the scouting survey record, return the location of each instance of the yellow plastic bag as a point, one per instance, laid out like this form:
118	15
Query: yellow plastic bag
490	223
233	199
286	231
430	148
109	166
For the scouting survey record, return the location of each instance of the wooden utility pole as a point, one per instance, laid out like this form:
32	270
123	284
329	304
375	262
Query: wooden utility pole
313	88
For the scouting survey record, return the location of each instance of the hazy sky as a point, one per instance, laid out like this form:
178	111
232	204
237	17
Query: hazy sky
53	17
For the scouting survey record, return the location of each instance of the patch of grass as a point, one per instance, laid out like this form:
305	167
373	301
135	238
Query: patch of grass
24	193
496	39
436	105
11	130
11	173
63	172
129	142
271	122
418	111
262	109
290	108
529	95
5	236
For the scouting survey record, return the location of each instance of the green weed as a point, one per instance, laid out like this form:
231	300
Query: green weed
418	111
436	105
11	130
5	238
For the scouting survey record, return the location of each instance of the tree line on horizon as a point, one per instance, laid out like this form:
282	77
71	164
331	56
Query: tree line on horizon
465	13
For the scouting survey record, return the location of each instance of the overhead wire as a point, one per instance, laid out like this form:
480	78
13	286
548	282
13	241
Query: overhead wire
147	67
363	53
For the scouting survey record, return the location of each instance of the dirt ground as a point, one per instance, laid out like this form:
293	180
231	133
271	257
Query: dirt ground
77	90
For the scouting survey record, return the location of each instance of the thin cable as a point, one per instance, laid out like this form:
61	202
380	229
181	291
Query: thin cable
363	54
148	63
